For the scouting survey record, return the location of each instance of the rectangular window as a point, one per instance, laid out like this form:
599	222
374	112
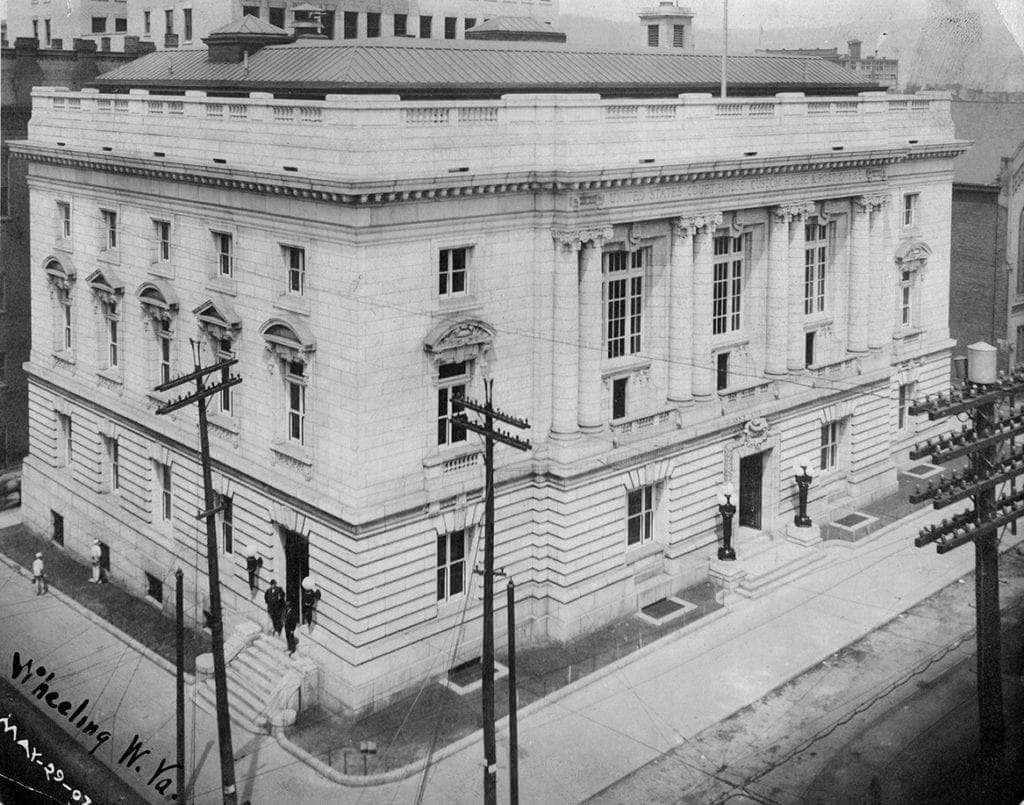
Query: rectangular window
470	22
295	263
224	400
722	371
47	31
452	379
147	23
640	515
109	229
63	219
815	262
829	453
1019	357
251	11
276	16
372	24
906	298
66	332
350	25
678	36
223	244
452	267
809	349
162	232
910	209
57	527
113	464
99	25
450	27
295	386
624	298
154	588
164	487
728	284
904	401
120	25
66	446
451	565
35	30
620	386
425	25
187	12
227	522
113	320
652	36
401	25
163	343
169	21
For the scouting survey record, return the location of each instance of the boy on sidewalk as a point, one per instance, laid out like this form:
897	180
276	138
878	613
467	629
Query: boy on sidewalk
39	574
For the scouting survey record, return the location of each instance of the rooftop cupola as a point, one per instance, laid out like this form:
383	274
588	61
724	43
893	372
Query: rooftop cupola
307	21
241	38
668	26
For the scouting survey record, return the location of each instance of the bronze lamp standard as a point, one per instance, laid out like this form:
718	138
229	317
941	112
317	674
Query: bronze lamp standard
803	472
727	509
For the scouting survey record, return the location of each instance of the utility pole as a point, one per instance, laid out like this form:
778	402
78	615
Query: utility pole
200	396
513	699
490	434
179	611
988	471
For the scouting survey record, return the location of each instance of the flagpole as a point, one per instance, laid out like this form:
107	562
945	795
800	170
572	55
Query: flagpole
725	41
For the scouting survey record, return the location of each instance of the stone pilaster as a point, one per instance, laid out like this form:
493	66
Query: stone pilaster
703	379
797	263
776	315
882	303
680	324
566	336
592	407
859	305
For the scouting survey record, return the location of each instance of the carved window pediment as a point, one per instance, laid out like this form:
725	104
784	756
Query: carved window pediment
106	285
218	319
452	342
913	255
158	300
60	273
288	340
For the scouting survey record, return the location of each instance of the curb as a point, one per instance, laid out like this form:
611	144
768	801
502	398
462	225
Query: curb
96	620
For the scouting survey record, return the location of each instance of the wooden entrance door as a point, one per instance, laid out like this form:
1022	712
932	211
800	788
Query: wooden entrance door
751	476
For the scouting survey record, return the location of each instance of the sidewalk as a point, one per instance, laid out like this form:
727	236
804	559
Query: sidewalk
574	742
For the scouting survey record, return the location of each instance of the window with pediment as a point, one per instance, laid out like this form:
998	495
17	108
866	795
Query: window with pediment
61	279
220	326
291	348
911	261
458	350
160	306
108	291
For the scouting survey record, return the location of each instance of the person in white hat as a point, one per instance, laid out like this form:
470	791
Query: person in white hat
39	574
95	554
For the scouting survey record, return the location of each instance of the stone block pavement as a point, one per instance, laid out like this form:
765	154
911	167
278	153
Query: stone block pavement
573	743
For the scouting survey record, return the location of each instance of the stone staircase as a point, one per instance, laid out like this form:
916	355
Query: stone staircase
765	563
262	679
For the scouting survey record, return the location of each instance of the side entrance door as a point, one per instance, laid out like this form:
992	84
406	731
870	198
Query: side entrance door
751	476
296	562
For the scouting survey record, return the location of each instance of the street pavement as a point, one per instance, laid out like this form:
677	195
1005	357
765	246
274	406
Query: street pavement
573	744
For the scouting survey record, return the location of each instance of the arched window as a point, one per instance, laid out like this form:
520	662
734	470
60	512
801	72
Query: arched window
291	347
221	326
108	290
911	261
161	308
61	277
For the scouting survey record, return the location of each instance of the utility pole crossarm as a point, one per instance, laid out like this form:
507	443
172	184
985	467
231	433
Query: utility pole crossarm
202	372
498	435
208	391
472	405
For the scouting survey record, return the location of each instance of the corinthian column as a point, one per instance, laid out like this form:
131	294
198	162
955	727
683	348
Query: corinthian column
797	264
565	343
592	408
680	325
880	330
703	382
778	257
860	277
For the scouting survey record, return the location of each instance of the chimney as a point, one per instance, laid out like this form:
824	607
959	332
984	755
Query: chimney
241	39
854	46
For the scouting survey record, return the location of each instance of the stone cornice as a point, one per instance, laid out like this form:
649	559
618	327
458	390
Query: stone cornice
357	193
575	238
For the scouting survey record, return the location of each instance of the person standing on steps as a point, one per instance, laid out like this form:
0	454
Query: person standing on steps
291	620
39	574
310	595
95	554
274	598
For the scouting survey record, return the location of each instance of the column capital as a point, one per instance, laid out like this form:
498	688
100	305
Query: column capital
686	226
871	203
575	238
793	211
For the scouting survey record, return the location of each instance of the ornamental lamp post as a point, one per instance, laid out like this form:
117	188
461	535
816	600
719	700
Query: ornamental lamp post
803	472
727	509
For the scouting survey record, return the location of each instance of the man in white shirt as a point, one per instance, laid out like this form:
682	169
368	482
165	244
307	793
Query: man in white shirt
95	555
39	574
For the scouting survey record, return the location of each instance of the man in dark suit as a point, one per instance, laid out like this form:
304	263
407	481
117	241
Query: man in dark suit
291	620
274	597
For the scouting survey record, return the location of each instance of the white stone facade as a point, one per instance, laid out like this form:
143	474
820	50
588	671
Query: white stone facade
635	276
102	21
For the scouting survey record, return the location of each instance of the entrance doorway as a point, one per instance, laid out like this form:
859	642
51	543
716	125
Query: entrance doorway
751	493
296	562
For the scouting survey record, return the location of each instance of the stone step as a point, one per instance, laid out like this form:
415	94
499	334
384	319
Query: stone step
780	573
749	547
260	666
241	711
254	680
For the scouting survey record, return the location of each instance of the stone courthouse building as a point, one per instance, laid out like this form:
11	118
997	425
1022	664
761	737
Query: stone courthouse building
677	290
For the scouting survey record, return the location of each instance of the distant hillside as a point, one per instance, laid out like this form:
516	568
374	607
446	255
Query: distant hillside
966	50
